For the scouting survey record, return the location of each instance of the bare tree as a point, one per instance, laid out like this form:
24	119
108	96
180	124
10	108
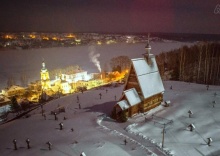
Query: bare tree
205	71
10	82
180	64
24	80
212	62
200	58
218	66
198	63
120	63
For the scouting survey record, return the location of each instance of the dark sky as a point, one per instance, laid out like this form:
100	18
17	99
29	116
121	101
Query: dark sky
178	16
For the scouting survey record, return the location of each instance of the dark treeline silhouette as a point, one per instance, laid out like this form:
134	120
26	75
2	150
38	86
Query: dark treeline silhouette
199	63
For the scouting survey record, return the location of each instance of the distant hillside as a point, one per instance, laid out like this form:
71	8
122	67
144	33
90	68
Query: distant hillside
188	37
199	63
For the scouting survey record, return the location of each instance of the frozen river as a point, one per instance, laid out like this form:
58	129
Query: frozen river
14	63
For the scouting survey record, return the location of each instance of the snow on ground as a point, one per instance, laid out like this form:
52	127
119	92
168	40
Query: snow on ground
87	136
178	138
4	108
97	135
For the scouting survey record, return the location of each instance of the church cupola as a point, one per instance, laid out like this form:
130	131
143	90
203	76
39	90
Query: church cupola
147	55
43	66
148	47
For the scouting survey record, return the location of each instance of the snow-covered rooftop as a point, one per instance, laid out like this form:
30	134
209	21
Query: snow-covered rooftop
141	66
123	104
151	84
148	76
132	96
14	88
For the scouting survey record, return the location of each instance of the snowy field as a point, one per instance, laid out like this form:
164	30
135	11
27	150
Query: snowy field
178	138
97	135
14	63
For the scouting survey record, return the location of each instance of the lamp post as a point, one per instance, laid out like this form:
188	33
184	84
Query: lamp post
190	113
15	144
213	103
100	95
55	116
49	145
163	136
125	141
191	127
44	115
61	126
209	141
28	143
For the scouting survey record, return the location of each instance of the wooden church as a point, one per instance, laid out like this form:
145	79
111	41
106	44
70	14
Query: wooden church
143	89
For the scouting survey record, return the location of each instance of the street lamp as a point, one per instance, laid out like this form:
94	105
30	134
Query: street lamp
28	143
15	144
61	126
55	116
49	145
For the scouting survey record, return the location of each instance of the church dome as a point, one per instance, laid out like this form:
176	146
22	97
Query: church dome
148	46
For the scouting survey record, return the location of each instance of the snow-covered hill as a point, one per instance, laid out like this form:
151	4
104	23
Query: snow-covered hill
97	135
178	137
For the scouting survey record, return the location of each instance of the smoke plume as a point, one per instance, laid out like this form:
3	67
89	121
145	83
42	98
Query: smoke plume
94	57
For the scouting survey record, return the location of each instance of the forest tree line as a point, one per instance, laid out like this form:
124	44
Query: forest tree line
199	63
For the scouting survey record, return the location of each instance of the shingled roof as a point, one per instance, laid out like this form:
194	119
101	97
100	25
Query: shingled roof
123	104
149	81
132	96
148	76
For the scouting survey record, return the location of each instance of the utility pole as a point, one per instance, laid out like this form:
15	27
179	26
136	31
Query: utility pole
163	135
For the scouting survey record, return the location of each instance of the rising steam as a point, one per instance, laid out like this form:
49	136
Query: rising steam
94	57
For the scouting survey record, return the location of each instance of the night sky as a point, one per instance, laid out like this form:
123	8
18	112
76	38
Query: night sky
114	16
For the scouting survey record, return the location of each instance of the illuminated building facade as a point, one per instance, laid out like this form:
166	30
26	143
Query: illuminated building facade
79	76
45	78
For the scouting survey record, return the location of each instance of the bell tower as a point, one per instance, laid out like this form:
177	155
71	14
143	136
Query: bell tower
45	78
